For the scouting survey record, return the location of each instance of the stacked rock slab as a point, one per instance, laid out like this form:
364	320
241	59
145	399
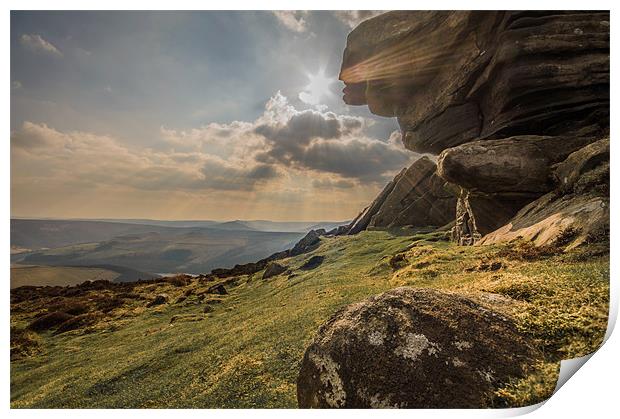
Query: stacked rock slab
501	96
415	197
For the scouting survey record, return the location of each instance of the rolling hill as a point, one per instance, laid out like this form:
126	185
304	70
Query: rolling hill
170	250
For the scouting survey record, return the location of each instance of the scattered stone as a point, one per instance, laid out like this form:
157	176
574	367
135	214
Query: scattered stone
412	348
273	269
312	263
186	318
308	243
49	321
217	289
158	300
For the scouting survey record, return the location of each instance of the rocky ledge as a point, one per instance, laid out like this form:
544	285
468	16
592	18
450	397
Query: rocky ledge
508	101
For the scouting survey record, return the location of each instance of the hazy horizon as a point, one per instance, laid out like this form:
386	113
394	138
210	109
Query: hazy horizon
191	115
225	220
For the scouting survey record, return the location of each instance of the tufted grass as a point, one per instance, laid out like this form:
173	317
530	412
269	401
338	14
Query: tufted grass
246	352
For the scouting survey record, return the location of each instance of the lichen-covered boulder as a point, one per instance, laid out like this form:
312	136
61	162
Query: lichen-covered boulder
412	348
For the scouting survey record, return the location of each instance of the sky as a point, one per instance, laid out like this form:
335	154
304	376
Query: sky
191	115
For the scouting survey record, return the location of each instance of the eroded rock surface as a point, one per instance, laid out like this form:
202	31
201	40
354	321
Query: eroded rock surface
576	211
416	197
502	96
412	348
451	77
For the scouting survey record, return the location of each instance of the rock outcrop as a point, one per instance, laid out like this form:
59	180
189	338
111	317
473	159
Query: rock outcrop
575	212
499	177
412	348
451	77
416	197
501	96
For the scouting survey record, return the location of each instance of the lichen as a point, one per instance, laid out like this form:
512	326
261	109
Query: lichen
457	362
414	345
334	393
376	338
377	401
463	344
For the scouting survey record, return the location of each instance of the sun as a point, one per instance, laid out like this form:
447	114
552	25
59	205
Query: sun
317	88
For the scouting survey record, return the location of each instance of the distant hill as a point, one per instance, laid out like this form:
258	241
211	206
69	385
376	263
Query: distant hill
41	234
149	245
177	250
291	226
234	225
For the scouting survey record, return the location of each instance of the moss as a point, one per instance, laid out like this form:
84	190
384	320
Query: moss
537	387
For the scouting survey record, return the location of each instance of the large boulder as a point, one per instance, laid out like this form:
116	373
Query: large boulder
576	211
499	177
412	348
451	77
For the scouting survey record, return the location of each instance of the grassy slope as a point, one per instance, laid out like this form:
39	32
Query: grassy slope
57	275
246	353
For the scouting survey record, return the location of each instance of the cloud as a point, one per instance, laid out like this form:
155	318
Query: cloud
326	142
292	19
302	141
352	18
328	183
284	146
43	153
37	44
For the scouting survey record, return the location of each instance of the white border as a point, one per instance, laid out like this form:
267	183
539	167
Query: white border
592	392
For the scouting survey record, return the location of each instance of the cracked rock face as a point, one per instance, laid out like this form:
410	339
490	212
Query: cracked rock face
412	348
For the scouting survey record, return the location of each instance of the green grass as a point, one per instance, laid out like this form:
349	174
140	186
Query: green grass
247	352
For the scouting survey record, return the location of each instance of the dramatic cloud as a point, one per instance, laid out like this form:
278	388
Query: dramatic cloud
352	18
37	44
299	140
292	19
326	142
301	158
